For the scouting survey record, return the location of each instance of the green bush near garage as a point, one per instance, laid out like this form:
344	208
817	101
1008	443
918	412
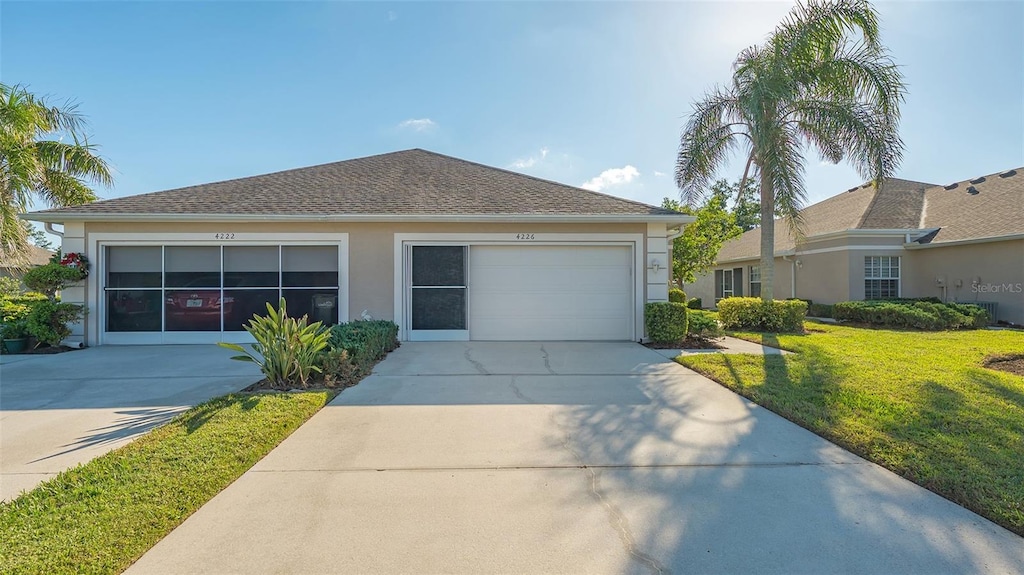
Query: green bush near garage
666	321
703	324
755	314
695	303
364	341
819	310
676	295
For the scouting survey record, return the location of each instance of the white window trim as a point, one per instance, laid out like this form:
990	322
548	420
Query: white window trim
898	278
96	301
731	292
637	242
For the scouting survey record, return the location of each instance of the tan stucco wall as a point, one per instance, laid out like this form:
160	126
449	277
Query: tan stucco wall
372	247
998	265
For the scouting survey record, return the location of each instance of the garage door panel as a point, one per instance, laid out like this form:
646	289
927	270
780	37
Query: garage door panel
551	293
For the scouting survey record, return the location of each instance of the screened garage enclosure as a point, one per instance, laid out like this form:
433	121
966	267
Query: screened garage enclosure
195	290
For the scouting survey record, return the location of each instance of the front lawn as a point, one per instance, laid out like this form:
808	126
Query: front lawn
103	515
918	403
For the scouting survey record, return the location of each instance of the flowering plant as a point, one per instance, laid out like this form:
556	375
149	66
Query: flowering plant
76	261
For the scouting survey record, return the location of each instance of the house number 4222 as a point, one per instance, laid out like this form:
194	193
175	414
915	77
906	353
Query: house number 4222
525	237
227	236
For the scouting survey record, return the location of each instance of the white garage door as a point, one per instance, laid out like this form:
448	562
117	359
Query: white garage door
551	293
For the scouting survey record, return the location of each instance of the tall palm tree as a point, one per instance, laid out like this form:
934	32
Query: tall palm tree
821	79
37	162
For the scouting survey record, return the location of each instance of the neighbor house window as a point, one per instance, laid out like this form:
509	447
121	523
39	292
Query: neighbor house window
755	281
728	283
881	277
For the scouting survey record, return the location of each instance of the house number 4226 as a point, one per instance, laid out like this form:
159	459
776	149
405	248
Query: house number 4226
525	237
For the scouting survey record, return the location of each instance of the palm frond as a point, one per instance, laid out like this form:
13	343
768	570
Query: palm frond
708	138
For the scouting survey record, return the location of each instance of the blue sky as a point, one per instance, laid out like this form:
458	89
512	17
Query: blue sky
180	93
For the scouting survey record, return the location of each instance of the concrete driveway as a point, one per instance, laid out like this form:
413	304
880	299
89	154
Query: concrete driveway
57	411
568	458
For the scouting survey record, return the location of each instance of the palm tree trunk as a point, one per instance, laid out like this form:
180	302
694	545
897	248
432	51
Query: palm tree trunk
767	240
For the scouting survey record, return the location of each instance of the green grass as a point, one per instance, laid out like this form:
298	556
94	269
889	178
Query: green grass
103	515
918	403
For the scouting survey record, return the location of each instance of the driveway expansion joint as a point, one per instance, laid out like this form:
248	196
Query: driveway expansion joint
584	466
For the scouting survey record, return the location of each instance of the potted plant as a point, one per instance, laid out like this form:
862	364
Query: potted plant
15	336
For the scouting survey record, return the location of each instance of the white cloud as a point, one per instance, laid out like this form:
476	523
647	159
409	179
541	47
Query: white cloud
524	163
611	177
659	174
420	125
392	15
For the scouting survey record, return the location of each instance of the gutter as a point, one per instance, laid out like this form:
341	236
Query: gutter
680	219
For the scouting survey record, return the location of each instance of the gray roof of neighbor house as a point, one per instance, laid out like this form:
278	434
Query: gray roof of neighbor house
896	206
985	207
37	256
407	184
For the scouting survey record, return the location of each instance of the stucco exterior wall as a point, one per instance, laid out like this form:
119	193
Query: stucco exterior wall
371	249
992	272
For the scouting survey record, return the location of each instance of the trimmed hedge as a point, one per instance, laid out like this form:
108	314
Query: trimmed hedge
666	321
365	342
703	324
676	295
923	314
819	310
18	307
751	313
695	303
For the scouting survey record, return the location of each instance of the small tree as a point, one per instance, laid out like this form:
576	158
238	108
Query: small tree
48	321
695	251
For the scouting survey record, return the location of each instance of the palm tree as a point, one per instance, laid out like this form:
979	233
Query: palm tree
821	79
36	162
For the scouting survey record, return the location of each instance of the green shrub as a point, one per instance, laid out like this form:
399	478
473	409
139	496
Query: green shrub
923	314
755	314
979	317
365	342
48	321
337	369
9	287
287	349
676	295
18	307
695	303
666	321
703	324
819	310
51	278
16	329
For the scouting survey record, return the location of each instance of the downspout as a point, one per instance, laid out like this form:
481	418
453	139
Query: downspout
48	226
792	276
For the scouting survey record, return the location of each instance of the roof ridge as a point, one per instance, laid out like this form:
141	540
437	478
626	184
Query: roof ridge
999	173
546	181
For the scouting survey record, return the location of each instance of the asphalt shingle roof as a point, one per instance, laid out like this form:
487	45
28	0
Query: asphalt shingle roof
897	206
410	182
974	209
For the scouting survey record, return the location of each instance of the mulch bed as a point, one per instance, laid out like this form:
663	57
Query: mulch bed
264	385
690	342
47	350
1009	363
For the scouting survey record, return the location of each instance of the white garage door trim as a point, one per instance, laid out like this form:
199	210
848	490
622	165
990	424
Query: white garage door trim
401	296
96	301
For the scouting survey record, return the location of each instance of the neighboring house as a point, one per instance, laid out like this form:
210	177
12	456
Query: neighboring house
448	249
962	242
37	256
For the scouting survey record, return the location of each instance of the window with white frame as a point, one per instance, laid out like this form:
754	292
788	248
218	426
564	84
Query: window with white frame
755	281
881	277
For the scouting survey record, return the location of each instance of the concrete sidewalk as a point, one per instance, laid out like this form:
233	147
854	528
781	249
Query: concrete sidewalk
568	458
57	411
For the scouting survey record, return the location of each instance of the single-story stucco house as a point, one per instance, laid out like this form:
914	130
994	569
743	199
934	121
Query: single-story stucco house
448	249
960	242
